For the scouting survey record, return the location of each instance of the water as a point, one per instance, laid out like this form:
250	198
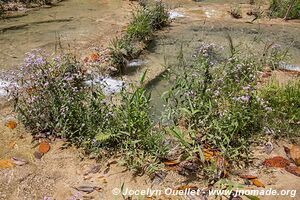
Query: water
81	23
94	22
197	26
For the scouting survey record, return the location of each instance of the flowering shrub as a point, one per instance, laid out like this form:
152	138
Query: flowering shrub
219	101
53	99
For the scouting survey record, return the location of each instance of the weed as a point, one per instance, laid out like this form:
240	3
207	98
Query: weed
236	12
219	101
140	27
279	8
139	33
284	102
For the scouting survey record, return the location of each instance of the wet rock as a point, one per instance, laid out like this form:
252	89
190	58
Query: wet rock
175	14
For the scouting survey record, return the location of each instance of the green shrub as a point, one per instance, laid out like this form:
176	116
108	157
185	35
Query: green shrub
159	16
219	101
278	8
140	27
139	33
54	98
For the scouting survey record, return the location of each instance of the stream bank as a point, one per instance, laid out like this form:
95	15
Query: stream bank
60	170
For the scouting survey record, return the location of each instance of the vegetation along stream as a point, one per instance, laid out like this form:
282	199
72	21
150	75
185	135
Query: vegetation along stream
102	97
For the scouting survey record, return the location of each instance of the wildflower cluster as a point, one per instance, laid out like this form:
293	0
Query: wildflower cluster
220	101
55	98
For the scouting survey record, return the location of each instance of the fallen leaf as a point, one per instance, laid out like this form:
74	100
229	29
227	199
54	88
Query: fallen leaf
248	176
172	168
44	147
171	163
276	161
208	154
11	123
19	161
38	155
6	164
257	183
93	170
112	163
295	154
87	189
293	170
95	57
187	187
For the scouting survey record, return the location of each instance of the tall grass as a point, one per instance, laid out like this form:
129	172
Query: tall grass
146	20
278	8
285	104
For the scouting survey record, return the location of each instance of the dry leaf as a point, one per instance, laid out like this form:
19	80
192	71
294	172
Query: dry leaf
95	57
11	123
6	164
87	189
93	170
276	161
172	168
257	183
293	170
248	176
187	187
114	162
171	163
19	161
295	154
44	147
208	154
38	155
